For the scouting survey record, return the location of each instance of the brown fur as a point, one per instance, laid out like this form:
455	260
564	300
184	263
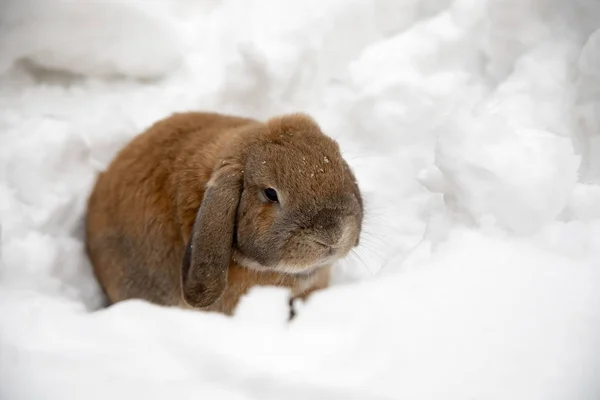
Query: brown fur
178	217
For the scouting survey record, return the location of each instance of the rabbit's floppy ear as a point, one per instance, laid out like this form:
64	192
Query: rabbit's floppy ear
206	260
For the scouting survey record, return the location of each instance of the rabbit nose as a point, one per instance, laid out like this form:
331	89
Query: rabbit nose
334	237
325	242
332	230
326	245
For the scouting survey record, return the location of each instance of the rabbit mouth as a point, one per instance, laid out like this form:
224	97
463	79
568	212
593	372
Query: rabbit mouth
288	268
330	251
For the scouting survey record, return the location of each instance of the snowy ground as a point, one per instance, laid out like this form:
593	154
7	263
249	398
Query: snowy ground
473	127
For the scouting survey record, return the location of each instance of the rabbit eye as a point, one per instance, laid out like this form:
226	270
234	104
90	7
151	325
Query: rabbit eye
271	195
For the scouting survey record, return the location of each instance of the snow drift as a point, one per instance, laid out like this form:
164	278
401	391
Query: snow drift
473	128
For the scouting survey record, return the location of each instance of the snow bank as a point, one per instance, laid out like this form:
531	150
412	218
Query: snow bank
102	38
472	127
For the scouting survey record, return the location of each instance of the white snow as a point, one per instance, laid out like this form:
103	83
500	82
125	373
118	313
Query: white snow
473	127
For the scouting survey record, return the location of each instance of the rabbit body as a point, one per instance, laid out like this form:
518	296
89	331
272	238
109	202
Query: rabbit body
178	217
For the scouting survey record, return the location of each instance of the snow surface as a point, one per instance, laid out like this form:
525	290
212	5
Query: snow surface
473	127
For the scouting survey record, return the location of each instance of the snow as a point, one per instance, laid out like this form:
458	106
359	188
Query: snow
474	130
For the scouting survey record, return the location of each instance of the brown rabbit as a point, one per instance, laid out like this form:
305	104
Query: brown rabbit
201	207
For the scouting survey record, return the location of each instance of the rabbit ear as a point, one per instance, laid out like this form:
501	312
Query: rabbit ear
206	260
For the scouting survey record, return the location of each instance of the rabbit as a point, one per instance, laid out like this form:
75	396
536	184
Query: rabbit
202	206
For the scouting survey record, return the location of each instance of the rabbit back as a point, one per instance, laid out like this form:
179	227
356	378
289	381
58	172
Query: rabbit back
142	208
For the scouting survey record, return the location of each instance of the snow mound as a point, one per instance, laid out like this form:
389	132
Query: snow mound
102	38
472	126
521	179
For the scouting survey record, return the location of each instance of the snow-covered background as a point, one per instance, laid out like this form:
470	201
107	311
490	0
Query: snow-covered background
473	127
